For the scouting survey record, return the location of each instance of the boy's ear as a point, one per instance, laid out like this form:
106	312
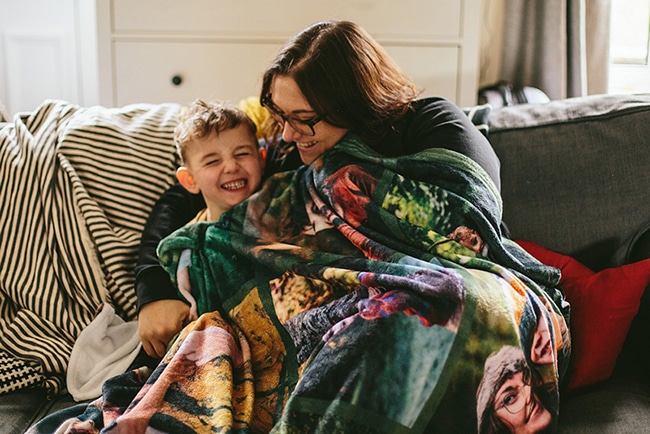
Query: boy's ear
187	180
263	153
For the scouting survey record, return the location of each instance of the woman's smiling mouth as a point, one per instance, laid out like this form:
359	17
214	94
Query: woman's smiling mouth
305	145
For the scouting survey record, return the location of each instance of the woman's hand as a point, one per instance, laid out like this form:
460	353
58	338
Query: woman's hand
158	322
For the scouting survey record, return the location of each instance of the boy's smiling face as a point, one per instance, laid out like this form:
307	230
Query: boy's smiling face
225	168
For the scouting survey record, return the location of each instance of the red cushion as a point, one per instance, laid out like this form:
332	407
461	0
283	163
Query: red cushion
603	306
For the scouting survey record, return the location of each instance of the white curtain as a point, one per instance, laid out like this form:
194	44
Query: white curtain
558	46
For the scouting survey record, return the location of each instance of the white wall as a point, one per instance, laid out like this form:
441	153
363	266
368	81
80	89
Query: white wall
39	54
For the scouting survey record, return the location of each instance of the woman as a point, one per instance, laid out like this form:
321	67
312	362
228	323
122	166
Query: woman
329	79
332	78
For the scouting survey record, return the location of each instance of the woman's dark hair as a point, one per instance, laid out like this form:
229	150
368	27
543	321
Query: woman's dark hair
346	76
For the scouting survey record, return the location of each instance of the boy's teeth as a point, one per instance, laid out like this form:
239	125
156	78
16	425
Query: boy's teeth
234	185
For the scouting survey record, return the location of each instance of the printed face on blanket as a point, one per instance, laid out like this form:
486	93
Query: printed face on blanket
337	298
511	397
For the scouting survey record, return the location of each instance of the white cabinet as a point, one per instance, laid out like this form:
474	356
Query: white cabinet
171	51
181	71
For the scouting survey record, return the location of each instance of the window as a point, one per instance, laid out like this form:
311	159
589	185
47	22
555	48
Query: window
629	69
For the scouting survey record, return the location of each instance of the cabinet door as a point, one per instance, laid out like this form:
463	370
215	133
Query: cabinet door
385	19
180	72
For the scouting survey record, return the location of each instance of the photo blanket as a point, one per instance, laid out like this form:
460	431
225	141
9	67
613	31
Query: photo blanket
356	294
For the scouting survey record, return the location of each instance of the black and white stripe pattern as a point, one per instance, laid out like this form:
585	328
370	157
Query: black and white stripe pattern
77	185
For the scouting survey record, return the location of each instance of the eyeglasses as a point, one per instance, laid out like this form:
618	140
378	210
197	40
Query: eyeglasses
303	126
516	399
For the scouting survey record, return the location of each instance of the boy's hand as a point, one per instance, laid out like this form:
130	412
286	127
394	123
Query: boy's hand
158	322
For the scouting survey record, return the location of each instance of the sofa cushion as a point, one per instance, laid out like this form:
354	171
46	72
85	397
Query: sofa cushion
574	173
603	306
616	406
22	408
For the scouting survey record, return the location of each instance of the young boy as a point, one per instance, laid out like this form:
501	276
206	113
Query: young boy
222	161
220	156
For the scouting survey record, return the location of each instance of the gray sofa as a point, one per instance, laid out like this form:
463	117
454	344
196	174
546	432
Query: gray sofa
575	179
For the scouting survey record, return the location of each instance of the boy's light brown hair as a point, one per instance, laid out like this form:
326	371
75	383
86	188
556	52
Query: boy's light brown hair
200	119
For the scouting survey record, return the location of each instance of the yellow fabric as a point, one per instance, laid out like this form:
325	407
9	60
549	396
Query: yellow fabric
252	107
201	216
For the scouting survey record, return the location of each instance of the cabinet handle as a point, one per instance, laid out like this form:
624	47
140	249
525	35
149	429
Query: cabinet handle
177	80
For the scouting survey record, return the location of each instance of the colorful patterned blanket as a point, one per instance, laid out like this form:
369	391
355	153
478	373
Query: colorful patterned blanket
358	294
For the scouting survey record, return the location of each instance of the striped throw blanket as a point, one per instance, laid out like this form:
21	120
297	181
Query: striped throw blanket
77	185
